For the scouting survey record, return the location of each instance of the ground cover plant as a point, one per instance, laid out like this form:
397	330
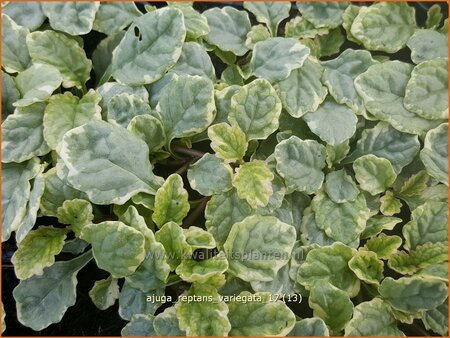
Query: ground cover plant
256	169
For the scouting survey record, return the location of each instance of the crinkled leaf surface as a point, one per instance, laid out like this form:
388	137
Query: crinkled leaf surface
186	106
385	26
171	202
15	56
434	154
28	14
314	326
411	294
22	134
374	174
200	272
149	129
122	108
427	91
332	122
390	205
37	251
166	323
66	111
260	245
228	28
260	317
65	54
74	18
367	267
121	158
139	325
10	94
174	240
104	293
252	181
150	47
228	142
275	58
372	318
194	61
384	246
302	91
117	248
427	44
112	17
77	213
300	163
209	175
133	302
43	300
340	187
255	109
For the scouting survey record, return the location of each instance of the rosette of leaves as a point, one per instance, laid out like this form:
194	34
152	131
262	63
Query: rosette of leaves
184	151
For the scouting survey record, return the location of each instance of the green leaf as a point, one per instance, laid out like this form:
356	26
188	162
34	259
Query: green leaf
374	174
434	154
367	267
330	264
102	55
107	174
434	16
255	109
104	293
336	313
186	106
66	111
174	240
126	247
56	192
302	91
198	238
382	88
342	222
427	44
151	45
140	325
228	142
33	87
275	58
384	246
209	175
421	257
384	26
386	142
349	15
193	271
228	29
77	213
335	154
196	23
10	94
256	34
208	306
314	326
37	251
269	13
389	204
150	130
222	212
16	190
256	314
194	60
282	284
329	44
65	54
412	294
112	17
43	300
133	301
166	323
122	108
340	187
300	163
310	232
323	14
29	14
426	91
373	318
22	134
340	73
71	17
261	245
428	225
437	319
332	122
171	203
15	56
252	181
414	185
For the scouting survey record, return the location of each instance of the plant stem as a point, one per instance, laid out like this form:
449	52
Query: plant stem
187	151
183	168
196	213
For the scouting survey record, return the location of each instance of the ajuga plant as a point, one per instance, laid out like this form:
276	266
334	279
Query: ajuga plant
278	168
